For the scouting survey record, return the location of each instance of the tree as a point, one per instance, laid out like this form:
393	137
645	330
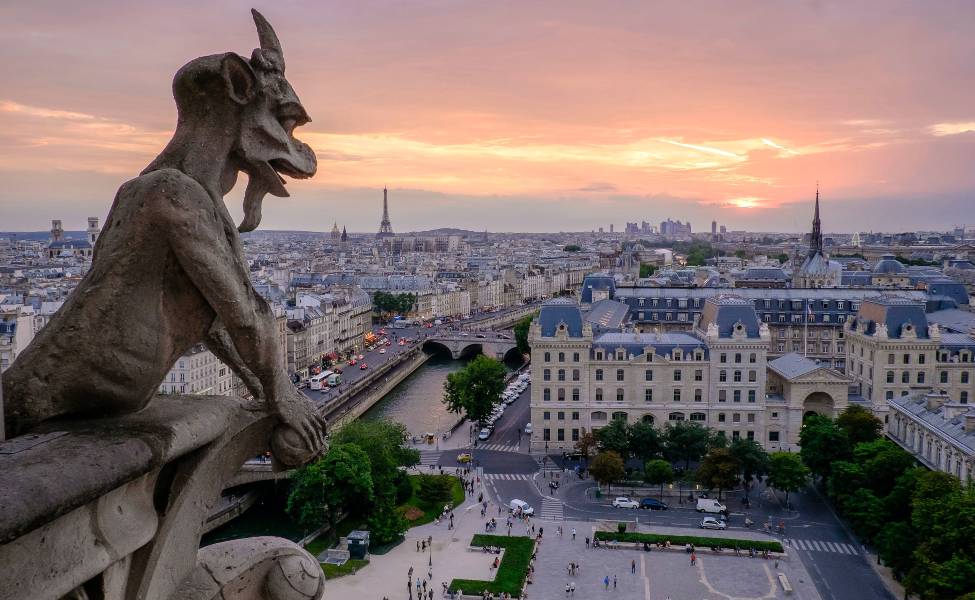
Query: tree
859	424
586	444
685	441
572	248
385	523
883	462
647	270
338	482
382	441
658	472
521	334
782	258
475	389
822	443
717	439
895	545
786	472
719	469
607	468
845	479
435	489
615	437
865	512
645	441
752	459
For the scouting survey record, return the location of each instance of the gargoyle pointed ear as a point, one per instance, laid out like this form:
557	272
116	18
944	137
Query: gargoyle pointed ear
270	45
239	78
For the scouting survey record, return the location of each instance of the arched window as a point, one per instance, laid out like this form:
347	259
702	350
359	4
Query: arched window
548	356
561	356
675	416
599	416
698	416
619	416
890	377
647	419
619	395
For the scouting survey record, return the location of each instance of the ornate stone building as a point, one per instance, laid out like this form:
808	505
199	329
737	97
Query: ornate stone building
939	432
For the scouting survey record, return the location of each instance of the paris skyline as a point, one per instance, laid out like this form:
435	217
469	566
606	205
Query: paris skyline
547	117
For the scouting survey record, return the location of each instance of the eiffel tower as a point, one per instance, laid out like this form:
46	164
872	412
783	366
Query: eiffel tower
385	227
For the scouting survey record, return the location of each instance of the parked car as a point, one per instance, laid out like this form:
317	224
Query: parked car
624	502
713	523
382	351
653	504
521	507
484	434
710	505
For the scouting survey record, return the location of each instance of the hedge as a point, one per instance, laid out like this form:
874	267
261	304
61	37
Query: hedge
510	577
680	540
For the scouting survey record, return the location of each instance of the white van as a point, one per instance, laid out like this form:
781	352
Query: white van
710	505
521	507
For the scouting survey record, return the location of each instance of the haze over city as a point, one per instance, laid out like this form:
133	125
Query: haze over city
543	116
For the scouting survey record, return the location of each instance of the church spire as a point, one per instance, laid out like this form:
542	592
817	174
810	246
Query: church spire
816	238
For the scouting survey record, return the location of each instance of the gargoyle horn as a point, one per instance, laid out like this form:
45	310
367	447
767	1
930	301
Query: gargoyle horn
270	45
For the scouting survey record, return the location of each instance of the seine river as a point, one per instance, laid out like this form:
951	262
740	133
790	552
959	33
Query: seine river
417	401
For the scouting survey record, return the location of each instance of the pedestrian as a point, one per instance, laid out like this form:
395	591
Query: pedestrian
587	541
573	534
606	582
423	545
693	558
633	567
614	582
567	588
410	574
417	549
572	588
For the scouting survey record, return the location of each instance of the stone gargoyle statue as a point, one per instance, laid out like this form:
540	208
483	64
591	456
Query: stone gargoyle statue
168	270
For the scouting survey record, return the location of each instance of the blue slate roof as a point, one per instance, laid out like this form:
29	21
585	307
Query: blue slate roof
897	313
888	265
954	320
597	282
943	286
558	312
726	311
636	343
793	365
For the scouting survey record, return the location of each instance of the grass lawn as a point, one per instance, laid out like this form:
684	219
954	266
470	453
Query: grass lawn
329	538
349	568
511	574
680	540
416	511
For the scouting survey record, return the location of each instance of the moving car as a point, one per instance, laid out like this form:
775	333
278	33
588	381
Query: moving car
710	505
528	428
382	351
624	502
653	504
713	523
521	507
363	366
484	434
464	457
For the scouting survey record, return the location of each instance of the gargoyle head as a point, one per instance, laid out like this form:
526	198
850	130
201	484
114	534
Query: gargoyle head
225	94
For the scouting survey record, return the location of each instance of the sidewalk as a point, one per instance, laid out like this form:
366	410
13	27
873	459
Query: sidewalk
386	576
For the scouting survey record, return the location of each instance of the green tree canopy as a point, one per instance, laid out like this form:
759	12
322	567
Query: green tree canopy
475	389
572	248
647	270
685	442
615	437
822	443
340	481
521	334
859	424
845	479
658	472
382	441
586	444
719	469
786	472
607	468
865	511
752	459
883	462
644	441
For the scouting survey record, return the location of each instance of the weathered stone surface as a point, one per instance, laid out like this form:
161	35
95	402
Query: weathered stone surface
168	270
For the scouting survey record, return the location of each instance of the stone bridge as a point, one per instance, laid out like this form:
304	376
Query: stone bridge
465	344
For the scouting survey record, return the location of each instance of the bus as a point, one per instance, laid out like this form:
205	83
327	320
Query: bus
321	381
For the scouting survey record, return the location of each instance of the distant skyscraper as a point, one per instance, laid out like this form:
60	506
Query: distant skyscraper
723	229
385	227
714	228
611	228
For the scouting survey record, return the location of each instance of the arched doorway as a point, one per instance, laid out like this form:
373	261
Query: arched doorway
818	403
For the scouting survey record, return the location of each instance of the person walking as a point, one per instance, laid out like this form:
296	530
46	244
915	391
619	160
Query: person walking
587	541
567	589
693	558
606	582
633	567
614	582
573	534
572	588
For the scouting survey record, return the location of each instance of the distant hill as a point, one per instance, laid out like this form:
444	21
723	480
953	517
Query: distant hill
446	231
41	236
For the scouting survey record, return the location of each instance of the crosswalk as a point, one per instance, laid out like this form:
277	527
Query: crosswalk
498	447
508	476
429	457
551	509
821	546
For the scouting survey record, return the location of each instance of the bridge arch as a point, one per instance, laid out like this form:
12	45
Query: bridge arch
434	347
471	350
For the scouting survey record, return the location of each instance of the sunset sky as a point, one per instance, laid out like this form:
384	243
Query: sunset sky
525	115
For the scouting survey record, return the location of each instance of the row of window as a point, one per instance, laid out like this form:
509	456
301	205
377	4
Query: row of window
773	436
736	395
768	304
889	395
674	416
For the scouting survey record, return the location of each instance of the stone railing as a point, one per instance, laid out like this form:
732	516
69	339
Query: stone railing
113	509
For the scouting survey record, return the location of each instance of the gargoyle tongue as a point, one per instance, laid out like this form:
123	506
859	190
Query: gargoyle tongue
265	181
